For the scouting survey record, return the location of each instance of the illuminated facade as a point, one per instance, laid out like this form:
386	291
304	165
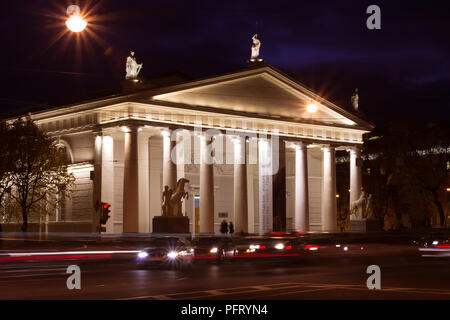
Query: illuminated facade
120	152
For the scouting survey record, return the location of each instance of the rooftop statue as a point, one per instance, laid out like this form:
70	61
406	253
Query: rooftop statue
355	99
132	67
255	48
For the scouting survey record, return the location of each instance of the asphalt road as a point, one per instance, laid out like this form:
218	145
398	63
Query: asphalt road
404	275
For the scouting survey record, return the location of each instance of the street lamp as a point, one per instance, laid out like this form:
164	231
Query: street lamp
75	22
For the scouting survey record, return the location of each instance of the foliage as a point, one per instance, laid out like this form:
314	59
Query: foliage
5	167
5	162
36	171
407	173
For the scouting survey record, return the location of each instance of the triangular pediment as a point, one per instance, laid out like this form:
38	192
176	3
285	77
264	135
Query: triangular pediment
260	92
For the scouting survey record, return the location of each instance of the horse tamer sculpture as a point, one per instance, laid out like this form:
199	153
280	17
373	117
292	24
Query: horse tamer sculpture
172	199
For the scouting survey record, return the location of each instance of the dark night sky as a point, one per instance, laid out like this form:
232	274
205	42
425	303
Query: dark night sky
401	70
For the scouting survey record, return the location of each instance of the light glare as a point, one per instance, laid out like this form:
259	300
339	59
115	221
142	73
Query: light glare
172	254
311	108
75	23
213	250
142	254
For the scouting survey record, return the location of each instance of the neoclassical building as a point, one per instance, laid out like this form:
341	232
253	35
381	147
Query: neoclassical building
257	147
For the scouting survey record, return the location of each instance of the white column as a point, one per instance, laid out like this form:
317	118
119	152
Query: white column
251	198
252	162
301	189
144	181
180	157
97	192
206	187
329	220
169	166
240	187
131	182
355	175
265	187
108	178
156	186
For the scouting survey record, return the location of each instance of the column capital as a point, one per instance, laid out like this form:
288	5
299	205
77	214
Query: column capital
328	148
97	132
144	134
354	149
130	128
166	131
236	139
297	144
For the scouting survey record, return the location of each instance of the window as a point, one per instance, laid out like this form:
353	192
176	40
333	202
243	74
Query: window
62	207
65	150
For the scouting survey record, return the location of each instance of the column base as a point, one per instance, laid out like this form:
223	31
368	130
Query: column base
364	225
170	224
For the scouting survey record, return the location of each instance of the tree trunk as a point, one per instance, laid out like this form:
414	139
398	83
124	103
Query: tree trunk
24	220
439	207
441	212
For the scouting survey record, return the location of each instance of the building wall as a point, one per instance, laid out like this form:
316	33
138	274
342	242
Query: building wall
314	188
81	201
82	145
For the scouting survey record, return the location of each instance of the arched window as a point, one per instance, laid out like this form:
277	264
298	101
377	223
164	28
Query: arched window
65	149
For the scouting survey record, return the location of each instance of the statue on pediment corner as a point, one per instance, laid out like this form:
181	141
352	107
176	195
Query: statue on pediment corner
355	99
132	67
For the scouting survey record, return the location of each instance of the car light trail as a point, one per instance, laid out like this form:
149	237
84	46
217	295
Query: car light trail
266	255
57	257
199	258
12	254
66	255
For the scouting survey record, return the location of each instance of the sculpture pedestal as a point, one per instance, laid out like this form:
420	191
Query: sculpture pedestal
364	225
255	63
170	224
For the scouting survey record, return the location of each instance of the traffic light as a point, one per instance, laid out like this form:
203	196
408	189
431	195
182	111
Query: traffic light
104	215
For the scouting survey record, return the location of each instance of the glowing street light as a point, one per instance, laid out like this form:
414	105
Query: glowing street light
312	107
75	23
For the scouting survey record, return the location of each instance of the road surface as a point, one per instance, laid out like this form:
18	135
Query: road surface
404	275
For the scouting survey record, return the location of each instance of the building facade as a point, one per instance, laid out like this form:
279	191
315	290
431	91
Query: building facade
257	147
